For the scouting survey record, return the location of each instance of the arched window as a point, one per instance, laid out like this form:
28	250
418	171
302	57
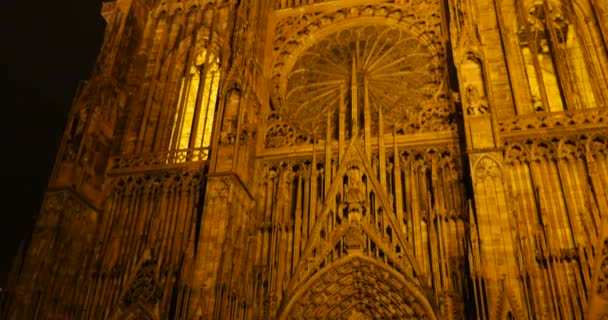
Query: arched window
554	56
196	105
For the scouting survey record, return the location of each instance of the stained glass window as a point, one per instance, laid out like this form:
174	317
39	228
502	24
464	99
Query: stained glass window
196	105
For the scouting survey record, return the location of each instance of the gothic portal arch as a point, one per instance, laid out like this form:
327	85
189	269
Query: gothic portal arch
357	285
360	176
325	159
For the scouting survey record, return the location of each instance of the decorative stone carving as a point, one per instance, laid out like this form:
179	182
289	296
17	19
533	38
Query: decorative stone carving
354	195
556	148
598	146
355	201
184	180
421	16
218	189
155	161
295	61
397	71
487	168
586	118
602	282
475	105
281	134
516	153
143	288
357	280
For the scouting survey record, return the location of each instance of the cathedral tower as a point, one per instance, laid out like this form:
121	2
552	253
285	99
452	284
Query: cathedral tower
331	159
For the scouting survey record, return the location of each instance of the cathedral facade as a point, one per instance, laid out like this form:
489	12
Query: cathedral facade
331	159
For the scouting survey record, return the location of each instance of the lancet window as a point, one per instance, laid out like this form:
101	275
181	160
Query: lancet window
554	59
196	104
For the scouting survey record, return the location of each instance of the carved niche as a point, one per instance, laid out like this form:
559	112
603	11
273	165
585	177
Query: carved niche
487	168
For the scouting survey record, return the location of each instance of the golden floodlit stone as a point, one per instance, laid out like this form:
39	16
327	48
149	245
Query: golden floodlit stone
331	159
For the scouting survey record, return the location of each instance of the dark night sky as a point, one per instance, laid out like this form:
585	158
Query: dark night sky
47	47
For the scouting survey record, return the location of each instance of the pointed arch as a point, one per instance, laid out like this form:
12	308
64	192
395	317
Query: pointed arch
516	153
143	290
508	307
335	226
357	284
487	167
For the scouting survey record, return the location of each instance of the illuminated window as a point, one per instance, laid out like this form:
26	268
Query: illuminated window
573	49
555	60
196	105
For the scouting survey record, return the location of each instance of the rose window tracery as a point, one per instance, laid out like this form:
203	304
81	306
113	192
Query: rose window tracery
363	72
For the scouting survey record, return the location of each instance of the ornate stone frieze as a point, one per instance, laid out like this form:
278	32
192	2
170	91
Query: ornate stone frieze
593	146
154	161
286	4
580	119
422	158
598	146
421	15
157	181
173	7
281	133
446	156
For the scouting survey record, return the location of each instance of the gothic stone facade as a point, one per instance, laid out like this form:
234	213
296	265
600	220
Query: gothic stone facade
317	159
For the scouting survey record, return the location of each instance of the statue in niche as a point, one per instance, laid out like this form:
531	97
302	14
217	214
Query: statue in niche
76	133
92	158
460	14
246	133
353	207
537	103
455	96
229	122
475	104
535	22
354	193
561	29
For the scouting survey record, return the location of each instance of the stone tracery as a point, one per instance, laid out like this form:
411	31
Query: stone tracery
296	223
357	285
371	53
390	65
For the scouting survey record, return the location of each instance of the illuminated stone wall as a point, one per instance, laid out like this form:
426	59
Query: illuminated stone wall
345	159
